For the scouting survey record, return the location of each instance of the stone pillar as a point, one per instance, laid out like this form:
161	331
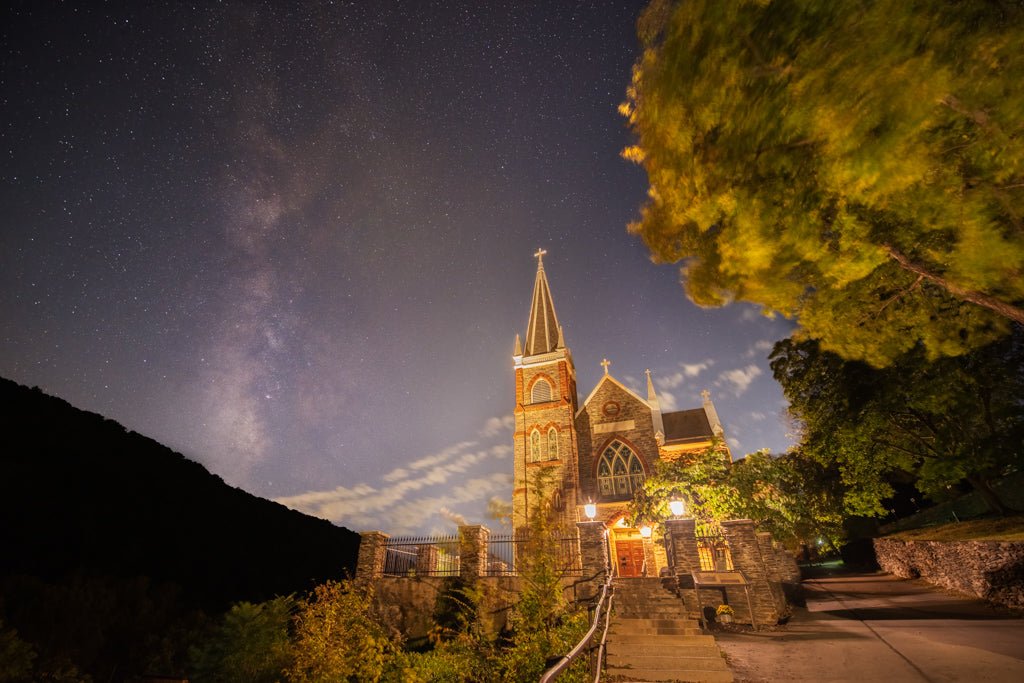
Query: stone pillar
426	559
790	573
682	534
771	566
372	549
473	541
746	556
594	558
787	564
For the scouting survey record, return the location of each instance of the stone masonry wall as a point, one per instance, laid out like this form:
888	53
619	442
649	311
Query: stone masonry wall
409	604
990	570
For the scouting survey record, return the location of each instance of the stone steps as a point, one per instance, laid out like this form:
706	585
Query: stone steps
650	638
683	649
635	675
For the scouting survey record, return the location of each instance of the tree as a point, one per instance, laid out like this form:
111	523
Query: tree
942	422
856	166
249	645
337	639
544	624
16	656
793	497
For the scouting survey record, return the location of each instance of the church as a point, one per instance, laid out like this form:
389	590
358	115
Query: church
599	451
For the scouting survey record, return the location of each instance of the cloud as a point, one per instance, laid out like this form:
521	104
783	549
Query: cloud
749	314
438	458
694	369
759	348
688	370
670	382
740	379
393	504
733	442
497	425
668	400
758	416
452	516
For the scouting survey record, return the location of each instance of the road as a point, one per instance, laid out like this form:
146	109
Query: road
870	627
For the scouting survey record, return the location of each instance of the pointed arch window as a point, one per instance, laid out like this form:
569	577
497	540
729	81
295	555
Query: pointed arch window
541	391
535	446
552	444
619	472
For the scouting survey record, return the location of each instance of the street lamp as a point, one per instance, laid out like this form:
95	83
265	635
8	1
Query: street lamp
677	507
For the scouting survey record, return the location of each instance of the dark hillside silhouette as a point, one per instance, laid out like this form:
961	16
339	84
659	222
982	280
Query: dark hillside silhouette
79	494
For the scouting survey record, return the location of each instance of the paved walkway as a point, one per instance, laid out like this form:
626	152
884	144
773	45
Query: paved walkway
873	627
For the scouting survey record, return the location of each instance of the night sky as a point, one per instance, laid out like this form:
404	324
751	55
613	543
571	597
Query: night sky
295	242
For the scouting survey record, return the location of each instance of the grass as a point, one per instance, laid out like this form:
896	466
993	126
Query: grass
1009	528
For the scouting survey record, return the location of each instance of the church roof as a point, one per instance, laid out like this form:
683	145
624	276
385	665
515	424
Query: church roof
687	425
542	332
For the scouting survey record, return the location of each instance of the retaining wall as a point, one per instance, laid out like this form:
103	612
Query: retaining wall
990	570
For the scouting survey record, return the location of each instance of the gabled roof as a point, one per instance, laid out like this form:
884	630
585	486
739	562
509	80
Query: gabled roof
542	332
687	425
609	378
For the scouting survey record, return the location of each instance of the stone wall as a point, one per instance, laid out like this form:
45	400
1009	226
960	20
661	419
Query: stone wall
410	604
990	570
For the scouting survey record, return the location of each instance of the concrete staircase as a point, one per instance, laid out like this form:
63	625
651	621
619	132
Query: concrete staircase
651	639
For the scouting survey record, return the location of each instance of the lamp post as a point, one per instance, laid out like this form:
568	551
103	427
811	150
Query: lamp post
590	510
677	507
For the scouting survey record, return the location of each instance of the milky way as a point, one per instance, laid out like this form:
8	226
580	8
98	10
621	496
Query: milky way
294	242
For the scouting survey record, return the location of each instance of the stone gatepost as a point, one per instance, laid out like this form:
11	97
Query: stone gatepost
790	573
746	556
593	557
372	549
426	559
787	564
682	534
473	541
770	561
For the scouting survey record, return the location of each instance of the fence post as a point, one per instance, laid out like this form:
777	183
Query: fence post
682	534
473	540
372	549
593	556
746	556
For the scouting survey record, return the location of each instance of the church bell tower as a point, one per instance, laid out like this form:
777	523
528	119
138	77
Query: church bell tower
545	435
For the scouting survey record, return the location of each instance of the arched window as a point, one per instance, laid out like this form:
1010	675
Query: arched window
541	391
619	472
535	446
552	444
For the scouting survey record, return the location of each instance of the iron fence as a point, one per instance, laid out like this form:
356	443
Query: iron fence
422	556
714	553
506	554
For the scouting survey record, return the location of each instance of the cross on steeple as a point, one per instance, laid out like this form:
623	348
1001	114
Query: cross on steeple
540	257
604	364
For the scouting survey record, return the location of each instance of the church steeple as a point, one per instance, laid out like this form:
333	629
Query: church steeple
543	333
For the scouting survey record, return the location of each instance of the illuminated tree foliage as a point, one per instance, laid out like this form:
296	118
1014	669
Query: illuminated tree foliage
337	639
790	495
943	422
856	166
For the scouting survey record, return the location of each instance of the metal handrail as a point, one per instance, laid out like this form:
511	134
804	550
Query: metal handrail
565	661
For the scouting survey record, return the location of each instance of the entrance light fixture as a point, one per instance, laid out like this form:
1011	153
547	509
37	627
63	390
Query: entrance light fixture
590	510
677	507
646	530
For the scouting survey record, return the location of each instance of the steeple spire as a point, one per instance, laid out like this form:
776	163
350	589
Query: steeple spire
543	334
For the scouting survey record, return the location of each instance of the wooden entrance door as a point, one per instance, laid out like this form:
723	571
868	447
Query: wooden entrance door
630	557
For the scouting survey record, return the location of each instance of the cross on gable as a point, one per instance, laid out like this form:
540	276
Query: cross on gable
605	363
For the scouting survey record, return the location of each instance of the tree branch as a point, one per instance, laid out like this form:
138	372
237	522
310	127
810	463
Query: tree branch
979	298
